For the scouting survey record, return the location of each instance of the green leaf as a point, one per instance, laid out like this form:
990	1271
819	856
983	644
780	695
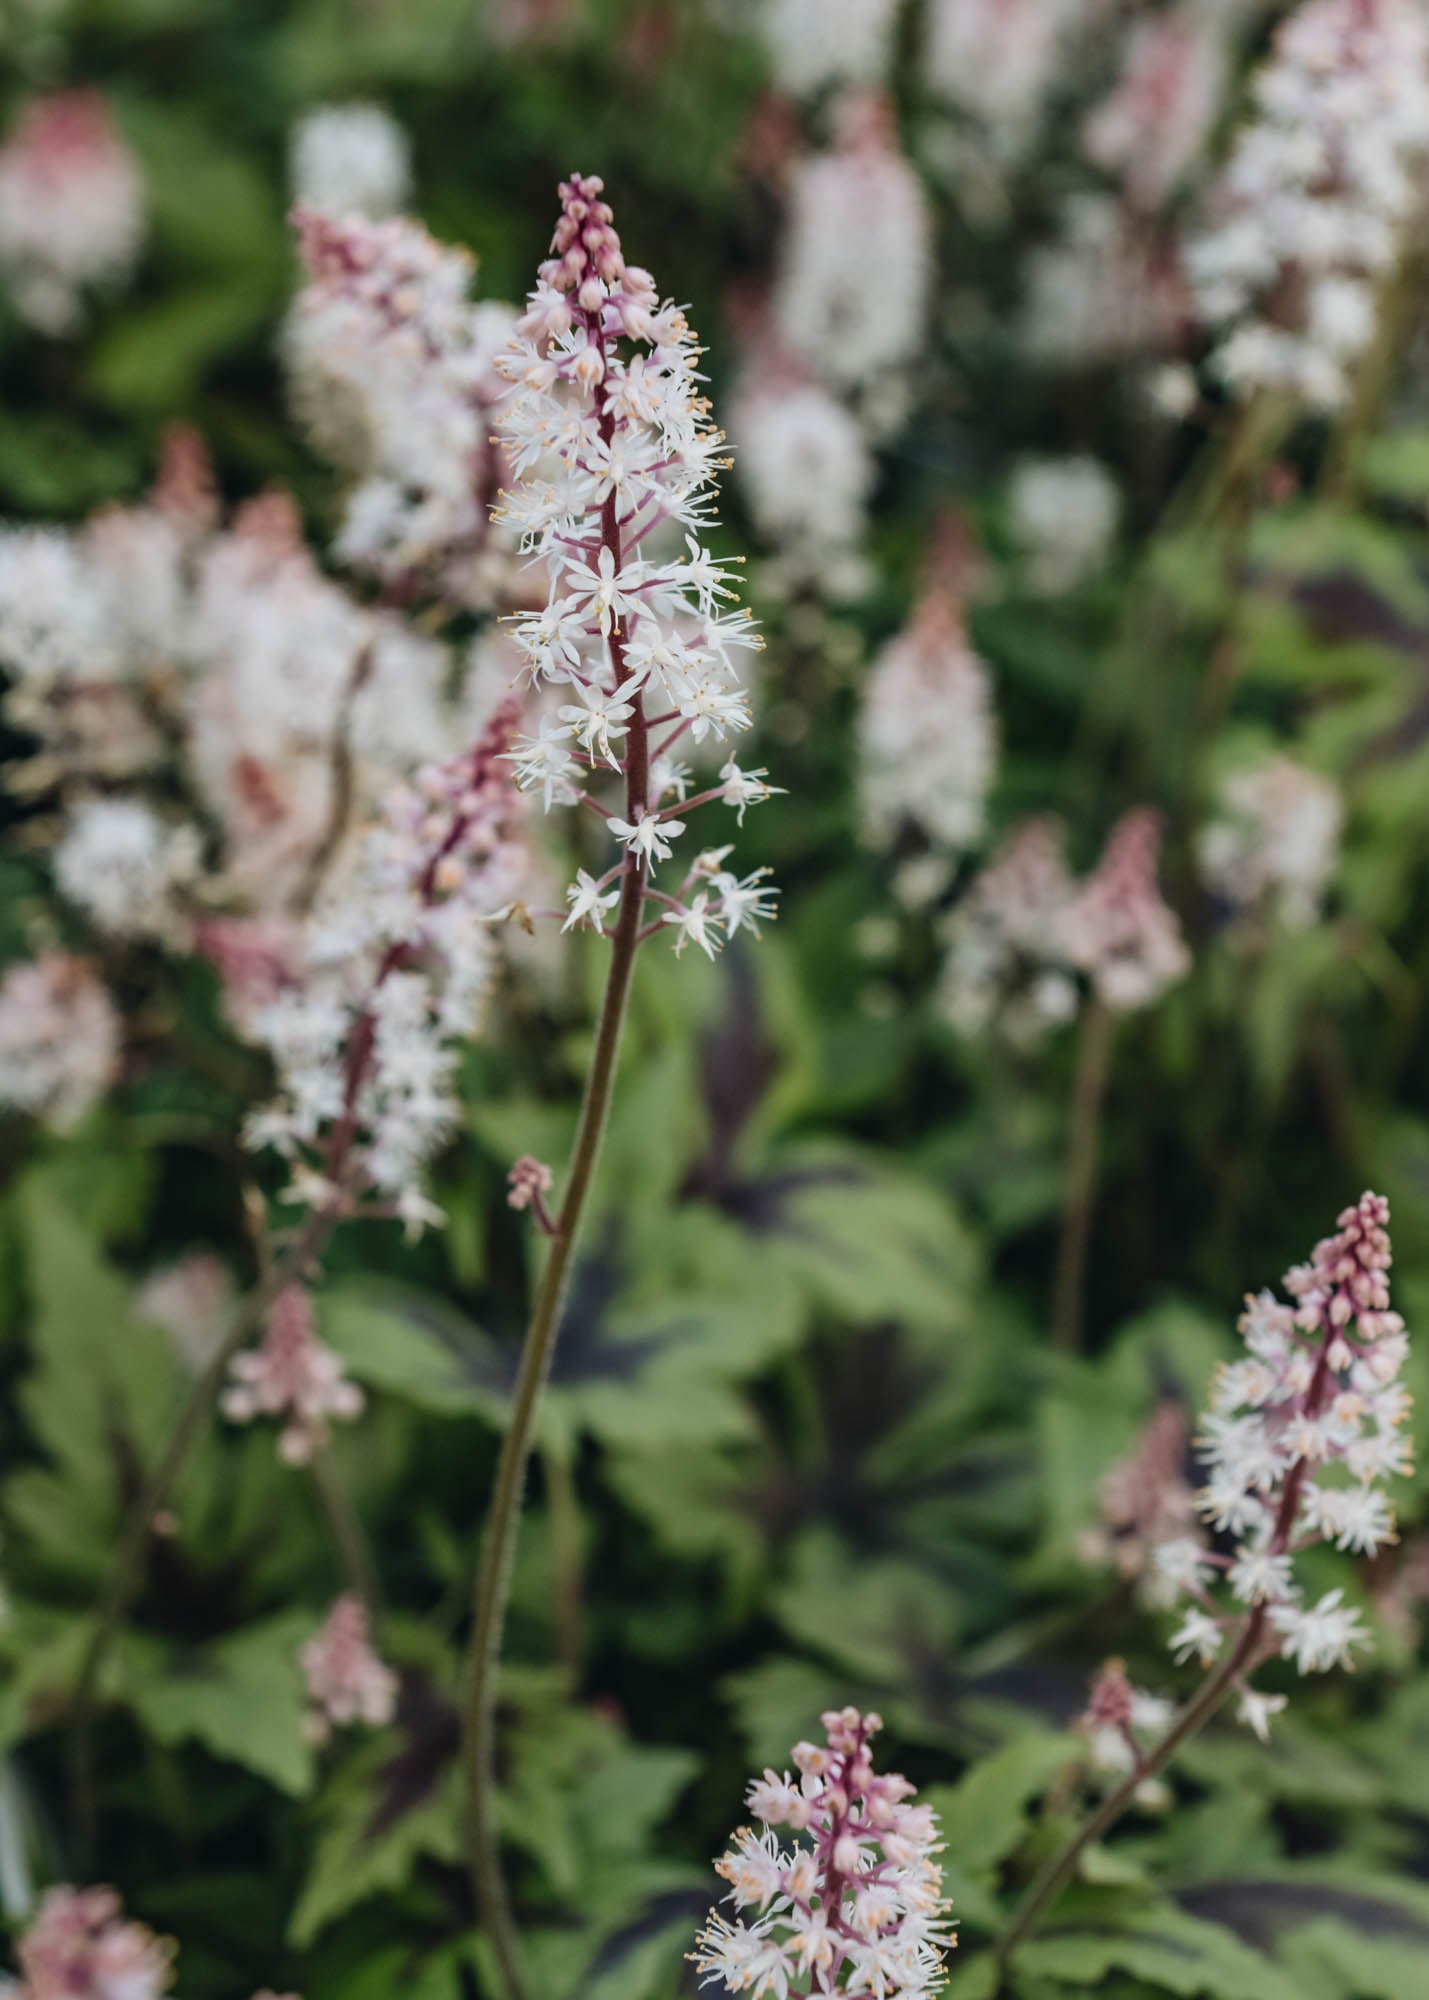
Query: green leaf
1169	1949
984	1815
242	1698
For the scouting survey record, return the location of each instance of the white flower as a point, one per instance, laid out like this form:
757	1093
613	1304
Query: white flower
350	159
1258	1711
648	836
121	864
1064	515
588	903
1258	1577
743	789
71	207
595	717
1198	1636
698	924
1321	1637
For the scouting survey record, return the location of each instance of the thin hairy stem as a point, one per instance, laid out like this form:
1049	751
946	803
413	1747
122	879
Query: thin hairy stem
349	1535
1058	1870
498	1554
1083	1152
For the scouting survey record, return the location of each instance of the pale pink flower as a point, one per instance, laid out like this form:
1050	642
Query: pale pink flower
1146	1500
79	1946
1122	932
346	1680
293	1376
190	1300
854	1904
71	207
1155	123
927	731
59	1038
1010	963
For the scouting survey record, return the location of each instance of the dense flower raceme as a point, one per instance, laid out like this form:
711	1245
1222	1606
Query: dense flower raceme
71	208
928	730
852	293
1271	847
1154	125
395	966
293	1376
1121	1724
79	1946
346	1680
806	470
350	159
1315	202
392	367
608	439
1102	290
1300	1440
1064	516
854	1903
1120	931
1025	930
59	1038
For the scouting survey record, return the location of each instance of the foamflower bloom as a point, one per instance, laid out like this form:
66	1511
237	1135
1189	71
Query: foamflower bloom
853	1904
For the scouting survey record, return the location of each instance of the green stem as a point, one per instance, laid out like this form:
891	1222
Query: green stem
563	1514
128	1566
1054	1876
493	1583
1083	1151
347	1532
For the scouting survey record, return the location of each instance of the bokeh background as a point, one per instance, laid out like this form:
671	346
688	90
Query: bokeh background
1022	544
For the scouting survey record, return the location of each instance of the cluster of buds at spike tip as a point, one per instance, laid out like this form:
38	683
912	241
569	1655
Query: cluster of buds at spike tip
79	1946
1121	1724
854	1904
292	1375
1300	1439
609	441
347	1682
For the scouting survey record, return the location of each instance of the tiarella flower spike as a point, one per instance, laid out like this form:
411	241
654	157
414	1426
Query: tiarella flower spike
346	1680
608	439
854	1904
79	1946
1300	1440
294	1376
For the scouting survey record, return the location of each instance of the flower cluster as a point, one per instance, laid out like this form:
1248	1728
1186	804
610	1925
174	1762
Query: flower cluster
393	970
71	208
852	293
1101	288
1271	848
59	1038
158	646
806	472
1145	1500
1121	1724
1300	1439
1006	961
346	1680
1025	931
291	1374
350	159
392	368
1314	203
190	1299
608	440
854	1904
1120	930
998	61
1064	516
928	731
1153	126
79	1946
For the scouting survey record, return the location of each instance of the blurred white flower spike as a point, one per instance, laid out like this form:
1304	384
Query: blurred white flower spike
72	208
608	438
1317	200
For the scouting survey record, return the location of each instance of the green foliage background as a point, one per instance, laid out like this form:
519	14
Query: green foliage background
806	1441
